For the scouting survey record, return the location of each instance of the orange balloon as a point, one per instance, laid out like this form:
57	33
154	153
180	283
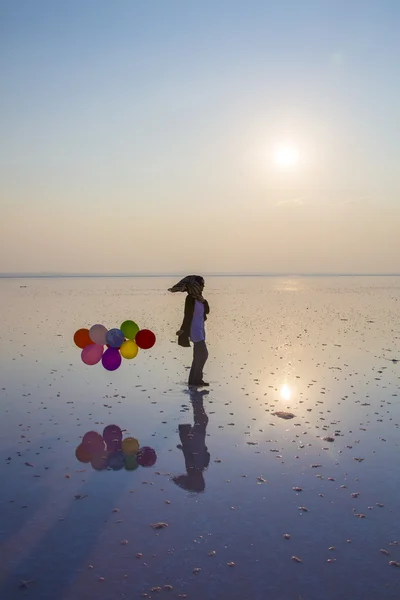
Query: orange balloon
82	338
83	454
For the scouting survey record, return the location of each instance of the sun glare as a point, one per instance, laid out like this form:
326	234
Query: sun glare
286	156
285	392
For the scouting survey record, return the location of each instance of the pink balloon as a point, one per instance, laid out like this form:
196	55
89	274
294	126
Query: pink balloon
92	354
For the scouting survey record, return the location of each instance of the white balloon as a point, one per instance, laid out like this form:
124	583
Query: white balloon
97	334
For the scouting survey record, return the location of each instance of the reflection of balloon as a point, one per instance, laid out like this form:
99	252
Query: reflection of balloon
82	339
113	446
99	462
129	329
112	432
98	334
129	349
131	463
116	460
111	359
93	442
92	354
130	446
145	339
82	454
115	338
146	457
110	451
91	436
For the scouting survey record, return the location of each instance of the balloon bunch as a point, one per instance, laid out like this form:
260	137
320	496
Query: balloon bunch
110	451
124	342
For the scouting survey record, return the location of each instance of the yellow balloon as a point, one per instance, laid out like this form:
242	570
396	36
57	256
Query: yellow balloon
130	446
129	349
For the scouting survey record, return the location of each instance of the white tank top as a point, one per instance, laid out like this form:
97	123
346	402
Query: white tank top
197	330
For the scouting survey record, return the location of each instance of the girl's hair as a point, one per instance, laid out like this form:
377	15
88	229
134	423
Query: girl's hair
199	279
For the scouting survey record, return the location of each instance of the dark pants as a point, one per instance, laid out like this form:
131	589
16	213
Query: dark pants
200	355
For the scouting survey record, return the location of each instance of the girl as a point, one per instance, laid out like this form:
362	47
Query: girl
193	446
196	311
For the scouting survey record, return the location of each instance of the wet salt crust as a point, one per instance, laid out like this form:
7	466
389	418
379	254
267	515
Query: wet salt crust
306	507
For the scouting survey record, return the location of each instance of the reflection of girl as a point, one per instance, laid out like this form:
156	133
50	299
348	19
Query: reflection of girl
196	311
193	438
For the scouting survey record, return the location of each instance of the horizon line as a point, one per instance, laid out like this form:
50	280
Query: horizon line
49	274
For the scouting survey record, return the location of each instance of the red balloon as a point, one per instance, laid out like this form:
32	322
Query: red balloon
145	339
146	457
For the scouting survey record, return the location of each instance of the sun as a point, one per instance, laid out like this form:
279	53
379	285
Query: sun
286	156
285	392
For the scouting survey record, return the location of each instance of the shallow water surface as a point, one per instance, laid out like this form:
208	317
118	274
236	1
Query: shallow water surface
325	350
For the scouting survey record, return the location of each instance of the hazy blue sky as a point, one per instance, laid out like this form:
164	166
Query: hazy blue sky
142	136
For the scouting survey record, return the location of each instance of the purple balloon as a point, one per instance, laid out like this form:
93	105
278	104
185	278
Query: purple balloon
112	432
111	359
92	354
115	338
114	446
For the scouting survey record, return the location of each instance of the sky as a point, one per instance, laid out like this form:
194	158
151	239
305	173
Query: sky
152	136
